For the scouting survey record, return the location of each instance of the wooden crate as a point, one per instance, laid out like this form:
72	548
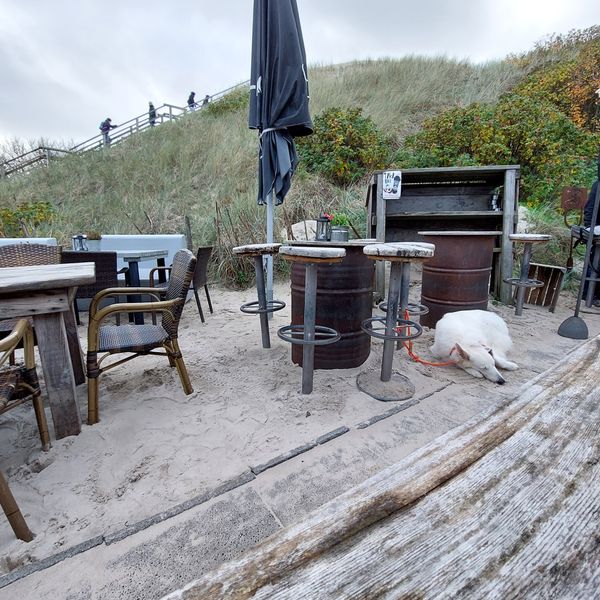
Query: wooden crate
552	276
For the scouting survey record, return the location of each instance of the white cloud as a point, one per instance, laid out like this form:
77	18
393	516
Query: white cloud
65	65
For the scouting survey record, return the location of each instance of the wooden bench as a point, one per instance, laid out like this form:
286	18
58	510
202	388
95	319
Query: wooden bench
506	505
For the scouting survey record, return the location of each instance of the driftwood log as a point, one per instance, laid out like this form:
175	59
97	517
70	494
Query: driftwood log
505	506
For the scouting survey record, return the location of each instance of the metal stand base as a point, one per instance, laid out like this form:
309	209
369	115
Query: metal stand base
397	388
574	328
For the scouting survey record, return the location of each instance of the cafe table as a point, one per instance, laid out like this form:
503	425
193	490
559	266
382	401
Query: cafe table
133	258
344	301
46	293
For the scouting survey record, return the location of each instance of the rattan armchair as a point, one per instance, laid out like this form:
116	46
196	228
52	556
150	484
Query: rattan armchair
139	340
19	384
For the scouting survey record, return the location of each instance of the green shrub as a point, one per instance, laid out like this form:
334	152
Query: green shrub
23	220
344	146
551	149
232	102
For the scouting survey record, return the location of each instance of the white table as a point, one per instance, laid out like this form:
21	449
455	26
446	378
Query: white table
133	258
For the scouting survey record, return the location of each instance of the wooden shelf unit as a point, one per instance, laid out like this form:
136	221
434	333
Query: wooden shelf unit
449	199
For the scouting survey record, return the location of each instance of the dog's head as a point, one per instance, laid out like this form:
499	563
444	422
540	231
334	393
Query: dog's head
480	358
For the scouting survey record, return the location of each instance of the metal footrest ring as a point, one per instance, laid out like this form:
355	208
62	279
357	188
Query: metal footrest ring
402	324
527	283
253	308
414	309
294	334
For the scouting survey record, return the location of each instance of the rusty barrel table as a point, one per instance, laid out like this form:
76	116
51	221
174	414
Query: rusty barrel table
344	301
458	276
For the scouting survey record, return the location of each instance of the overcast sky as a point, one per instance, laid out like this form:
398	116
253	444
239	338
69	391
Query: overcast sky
65	65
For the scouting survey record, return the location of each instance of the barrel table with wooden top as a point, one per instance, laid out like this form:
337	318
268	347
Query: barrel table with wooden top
458	276
344	301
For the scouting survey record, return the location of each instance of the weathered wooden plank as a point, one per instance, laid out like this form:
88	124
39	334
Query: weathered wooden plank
19	305
43	277
504	506
58	374
509	208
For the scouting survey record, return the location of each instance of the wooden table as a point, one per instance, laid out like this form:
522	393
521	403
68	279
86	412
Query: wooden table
133	258
46	292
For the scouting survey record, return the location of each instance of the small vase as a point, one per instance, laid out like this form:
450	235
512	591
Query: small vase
339	234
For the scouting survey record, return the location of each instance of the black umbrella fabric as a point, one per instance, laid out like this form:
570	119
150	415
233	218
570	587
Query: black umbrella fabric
278	94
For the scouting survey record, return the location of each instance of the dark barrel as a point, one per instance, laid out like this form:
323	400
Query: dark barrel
344	301
458	276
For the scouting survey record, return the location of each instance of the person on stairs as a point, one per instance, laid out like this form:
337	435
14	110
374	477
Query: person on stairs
105	128
151	114
191	101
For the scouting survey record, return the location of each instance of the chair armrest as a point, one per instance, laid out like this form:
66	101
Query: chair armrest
156	269
121	291
21	331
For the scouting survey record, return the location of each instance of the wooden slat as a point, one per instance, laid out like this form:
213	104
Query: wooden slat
505	506
58	374
44	277
20	305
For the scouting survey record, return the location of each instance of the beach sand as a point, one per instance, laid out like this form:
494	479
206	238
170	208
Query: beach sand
156	448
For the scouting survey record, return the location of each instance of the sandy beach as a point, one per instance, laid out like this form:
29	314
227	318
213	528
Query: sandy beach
156	448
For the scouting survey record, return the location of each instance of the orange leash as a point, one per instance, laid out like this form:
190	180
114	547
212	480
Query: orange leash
408	344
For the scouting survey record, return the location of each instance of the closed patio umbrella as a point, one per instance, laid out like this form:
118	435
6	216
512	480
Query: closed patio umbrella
278	101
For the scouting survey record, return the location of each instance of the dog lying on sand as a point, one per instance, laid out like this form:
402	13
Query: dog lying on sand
477	340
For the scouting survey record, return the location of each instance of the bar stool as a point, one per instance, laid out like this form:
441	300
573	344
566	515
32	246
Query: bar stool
395	329
261	306
524	282
308	334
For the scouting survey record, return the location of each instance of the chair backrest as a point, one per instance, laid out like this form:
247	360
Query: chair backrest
27	255
202	259
182	271
106	270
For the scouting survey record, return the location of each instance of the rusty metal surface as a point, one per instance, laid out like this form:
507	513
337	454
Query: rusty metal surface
458	276
344	301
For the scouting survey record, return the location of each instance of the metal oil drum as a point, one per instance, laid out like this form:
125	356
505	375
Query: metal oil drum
344	301
458	276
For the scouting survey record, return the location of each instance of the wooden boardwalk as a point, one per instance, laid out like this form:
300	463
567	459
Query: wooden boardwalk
505	506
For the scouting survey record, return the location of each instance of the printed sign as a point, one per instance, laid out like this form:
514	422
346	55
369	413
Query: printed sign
392	185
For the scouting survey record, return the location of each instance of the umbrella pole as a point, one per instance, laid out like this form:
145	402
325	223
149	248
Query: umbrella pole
269	258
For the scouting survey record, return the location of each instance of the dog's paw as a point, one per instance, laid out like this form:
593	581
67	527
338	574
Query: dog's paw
509	366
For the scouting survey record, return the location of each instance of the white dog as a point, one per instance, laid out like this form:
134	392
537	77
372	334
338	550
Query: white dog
477	340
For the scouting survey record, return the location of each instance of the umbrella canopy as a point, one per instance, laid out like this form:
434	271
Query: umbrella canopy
278	94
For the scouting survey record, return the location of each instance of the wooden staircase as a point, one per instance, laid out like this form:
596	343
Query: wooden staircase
42	155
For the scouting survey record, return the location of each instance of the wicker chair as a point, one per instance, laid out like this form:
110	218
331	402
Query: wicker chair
106	274
25	255
139	339
200	279
19	384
